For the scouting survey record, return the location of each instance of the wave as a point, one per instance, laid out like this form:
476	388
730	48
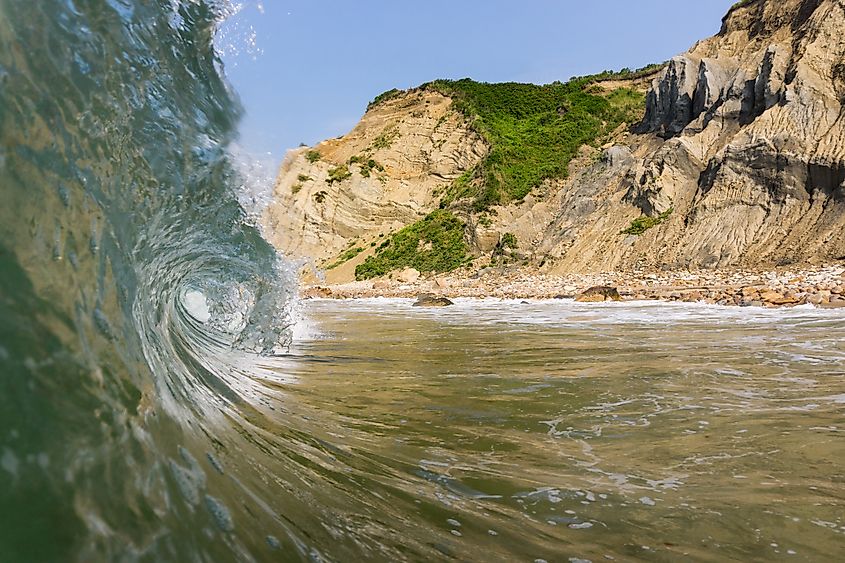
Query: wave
139	304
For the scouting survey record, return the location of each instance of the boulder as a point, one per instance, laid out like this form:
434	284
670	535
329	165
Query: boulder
317	292
431	300
815	299
599	294
408	275
750	291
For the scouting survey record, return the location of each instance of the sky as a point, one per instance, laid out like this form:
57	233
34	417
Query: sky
305	70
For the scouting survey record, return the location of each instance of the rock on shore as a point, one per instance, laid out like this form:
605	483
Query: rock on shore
599	293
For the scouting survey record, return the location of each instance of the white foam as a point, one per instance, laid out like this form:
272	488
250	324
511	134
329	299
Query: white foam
567	312
197	305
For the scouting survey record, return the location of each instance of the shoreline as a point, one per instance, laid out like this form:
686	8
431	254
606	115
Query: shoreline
822	286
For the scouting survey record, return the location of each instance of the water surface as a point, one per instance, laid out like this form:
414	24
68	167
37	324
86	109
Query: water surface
548	430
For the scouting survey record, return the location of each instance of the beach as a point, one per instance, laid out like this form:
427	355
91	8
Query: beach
822	286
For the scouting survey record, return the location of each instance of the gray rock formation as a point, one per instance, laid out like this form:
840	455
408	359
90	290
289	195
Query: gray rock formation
743	140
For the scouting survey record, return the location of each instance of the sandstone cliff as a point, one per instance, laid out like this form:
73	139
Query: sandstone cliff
739	160
351	192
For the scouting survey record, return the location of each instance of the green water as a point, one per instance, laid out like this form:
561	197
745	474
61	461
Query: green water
515	432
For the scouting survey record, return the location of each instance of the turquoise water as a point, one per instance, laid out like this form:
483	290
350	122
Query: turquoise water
164	397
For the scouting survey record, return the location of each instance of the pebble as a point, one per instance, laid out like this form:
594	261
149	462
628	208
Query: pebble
820	286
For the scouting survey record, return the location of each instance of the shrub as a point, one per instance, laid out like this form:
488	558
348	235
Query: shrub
367	165
304	178
384	140
338	174
627	73
294	189
508	241
383	97
433	244
642	224
312	156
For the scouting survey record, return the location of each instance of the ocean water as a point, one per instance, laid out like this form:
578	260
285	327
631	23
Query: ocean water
165	397
553	430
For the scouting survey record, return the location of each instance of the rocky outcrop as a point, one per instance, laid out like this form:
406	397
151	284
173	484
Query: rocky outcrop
765	136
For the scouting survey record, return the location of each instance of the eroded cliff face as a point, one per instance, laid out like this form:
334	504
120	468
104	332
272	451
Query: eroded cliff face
741	151
384	174
743	140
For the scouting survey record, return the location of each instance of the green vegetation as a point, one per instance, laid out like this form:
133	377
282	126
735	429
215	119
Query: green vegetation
384	140
739	4
642	224
338	174
320	196
506	241
345	257
312	156
433	244
383	97
304	178
294	189
627	73
533	131
367	165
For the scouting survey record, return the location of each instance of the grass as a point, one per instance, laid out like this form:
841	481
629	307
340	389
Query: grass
533	131
345	257
642	224
433	244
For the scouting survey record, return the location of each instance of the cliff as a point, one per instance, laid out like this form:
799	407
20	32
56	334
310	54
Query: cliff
737	159
344	196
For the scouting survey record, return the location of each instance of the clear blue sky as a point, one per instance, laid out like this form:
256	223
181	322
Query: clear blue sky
321	61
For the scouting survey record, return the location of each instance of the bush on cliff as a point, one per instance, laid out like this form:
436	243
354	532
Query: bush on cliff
433	244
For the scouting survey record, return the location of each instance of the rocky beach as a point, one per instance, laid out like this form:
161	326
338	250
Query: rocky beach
821	286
